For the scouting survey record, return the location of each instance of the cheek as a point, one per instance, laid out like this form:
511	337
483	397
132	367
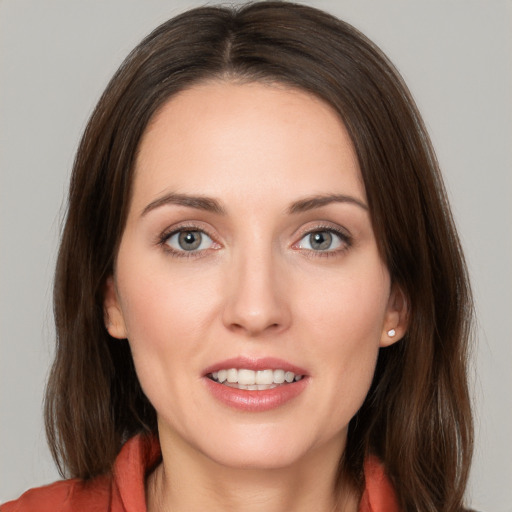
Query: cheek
163	318
349	306
167	313
160	304
146	306
346	319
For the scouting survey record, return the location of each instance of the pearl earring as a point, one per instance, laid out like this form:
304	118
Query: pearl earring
391	333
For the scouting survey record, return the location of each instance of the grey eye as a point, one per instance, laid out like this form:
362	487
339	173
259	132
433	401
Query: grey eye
189	241
321	241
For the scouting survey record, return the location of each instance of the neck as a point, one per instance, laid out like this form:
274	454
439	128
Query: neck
187	480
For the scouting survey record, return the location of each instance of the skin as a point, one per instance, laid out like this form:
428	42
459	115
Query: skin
256	287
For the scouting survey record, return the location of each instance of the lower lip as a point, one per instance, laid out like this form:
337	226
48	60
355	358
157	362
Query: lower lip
257	400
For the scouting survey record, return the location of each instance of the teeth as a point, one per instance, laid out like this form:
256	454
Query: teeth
264	377
253	387
254	380
278	376
247	377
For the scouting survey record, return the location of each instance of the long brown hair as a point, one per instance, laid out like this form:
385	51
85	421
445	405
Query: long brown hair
417	415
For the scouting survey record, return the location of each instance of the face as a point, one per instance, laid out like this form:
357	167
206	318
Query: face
248	280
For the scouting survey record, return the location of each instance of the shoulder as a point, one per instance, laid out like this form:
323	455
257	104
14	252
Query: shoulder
112	492
64	496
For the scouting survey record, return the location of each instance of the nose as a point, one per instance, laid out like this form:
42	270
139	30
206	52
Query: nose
256	299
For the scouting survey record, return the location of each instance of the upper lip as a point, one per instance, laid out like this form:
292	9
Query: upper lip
263	363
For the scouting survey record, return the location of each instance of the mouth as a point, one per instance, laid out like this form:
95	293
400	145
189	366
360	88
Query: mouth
255	385
254	380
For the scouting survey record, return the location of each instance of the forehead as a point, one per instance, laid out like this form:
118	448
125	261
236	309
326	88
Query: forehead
221	137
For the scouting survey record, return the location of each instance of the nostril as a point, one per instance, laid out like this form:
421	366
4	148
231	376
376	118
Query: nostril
254	328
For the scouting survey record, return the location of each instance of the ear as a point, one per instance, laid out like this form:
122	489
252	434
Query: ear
112	313
397	317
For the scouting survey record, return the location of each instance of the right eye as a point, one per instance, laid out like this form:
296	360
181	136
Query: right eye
323	241
188	240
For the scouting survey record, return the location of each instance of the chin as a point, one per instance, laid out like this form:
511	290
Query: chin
262	448
252	457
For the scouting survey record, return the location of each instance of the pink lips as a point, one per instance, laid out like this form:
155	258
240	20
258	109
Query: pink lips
266	363
255	401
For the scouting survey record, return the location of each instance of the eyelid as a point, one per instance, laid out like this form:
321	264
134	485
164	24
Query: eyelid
170	231
312	227
343	234
204	239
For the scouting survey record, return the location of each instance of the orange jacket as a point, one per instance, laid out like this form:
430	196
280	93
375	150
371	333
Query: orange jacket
124	489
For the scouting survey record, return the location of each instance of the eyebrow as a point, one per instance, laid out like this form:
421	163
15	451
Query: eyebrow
212	205
310	203
198	202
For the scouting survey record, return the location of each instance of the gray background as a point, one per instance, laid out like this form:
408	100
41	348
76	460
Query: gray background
56	57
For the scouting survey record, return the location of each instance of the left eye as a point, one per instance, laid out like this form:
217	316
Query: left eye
321	241
189	240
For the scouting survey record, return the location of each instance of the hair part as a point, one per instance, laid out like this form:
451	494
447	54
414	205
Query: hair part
417	415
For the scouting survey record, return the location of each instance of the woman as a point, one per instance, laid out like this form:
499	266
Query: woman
260	296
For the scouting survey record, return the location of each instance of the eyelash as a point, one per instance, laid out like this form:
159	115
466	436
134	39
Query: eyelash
167	234
345	238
